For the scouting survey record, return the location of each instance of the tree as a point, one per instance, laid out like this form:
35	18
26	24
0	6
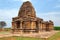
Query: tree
2	24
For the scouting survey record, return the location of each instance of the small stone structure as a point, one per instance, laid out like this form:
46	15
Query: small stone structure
27	22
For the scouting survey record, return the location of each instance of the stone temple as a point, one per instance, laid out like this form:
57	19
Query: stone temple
27	22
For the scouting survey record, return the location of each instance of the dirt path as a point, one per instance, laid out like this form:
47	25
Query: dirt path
58	38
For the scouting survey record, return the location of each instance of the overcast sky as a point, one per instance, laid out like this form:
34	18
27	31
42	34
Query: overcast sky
46	9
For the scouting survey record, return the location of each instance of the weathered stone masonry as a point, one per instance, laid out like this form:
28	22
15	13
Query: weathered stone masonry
27	22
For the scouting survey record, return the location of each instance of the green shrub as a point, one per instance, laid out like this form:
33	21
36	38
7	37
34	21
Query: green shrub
56	28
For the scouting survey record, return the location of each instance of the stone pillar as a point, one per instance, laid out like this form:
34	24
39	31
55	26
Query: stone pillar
43	27
51	27
21	31
39	26
15	26
31	27
12	27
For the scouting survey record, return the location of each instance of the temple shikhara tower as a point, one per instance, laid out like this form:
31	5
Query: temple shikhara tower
28	22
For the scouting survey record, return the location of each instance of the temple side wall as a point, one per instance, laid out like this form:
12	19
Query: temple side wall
43	27
51	26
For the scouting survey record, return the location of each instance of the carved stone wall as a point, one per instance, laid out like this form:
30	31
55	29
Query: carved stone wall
27	22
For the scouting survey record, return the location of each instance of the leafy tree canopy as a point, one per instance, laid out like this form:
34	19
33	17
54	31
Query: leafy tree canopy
2	24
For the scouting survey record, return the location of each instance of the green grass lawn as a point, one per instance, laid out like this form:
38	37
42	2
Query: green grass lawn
54	37
20	38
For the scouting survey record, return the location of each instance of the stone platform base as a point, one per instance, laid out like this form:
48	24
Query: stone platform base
36	35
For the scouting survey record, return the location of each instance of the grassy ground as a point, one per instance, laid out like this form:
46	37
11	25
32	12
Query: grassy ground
54	37
20	38
4	32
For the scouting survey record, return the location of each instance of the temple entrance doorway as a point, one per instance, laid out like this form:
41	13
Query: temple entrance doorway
37	27
18	24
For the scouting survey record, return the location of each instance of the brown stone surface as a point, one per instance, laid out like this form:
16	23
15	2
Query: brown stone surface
27	22
36	35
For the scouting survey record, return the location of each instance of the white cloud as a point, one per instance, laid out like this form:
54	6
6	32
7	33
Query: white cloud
7	15
54	16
